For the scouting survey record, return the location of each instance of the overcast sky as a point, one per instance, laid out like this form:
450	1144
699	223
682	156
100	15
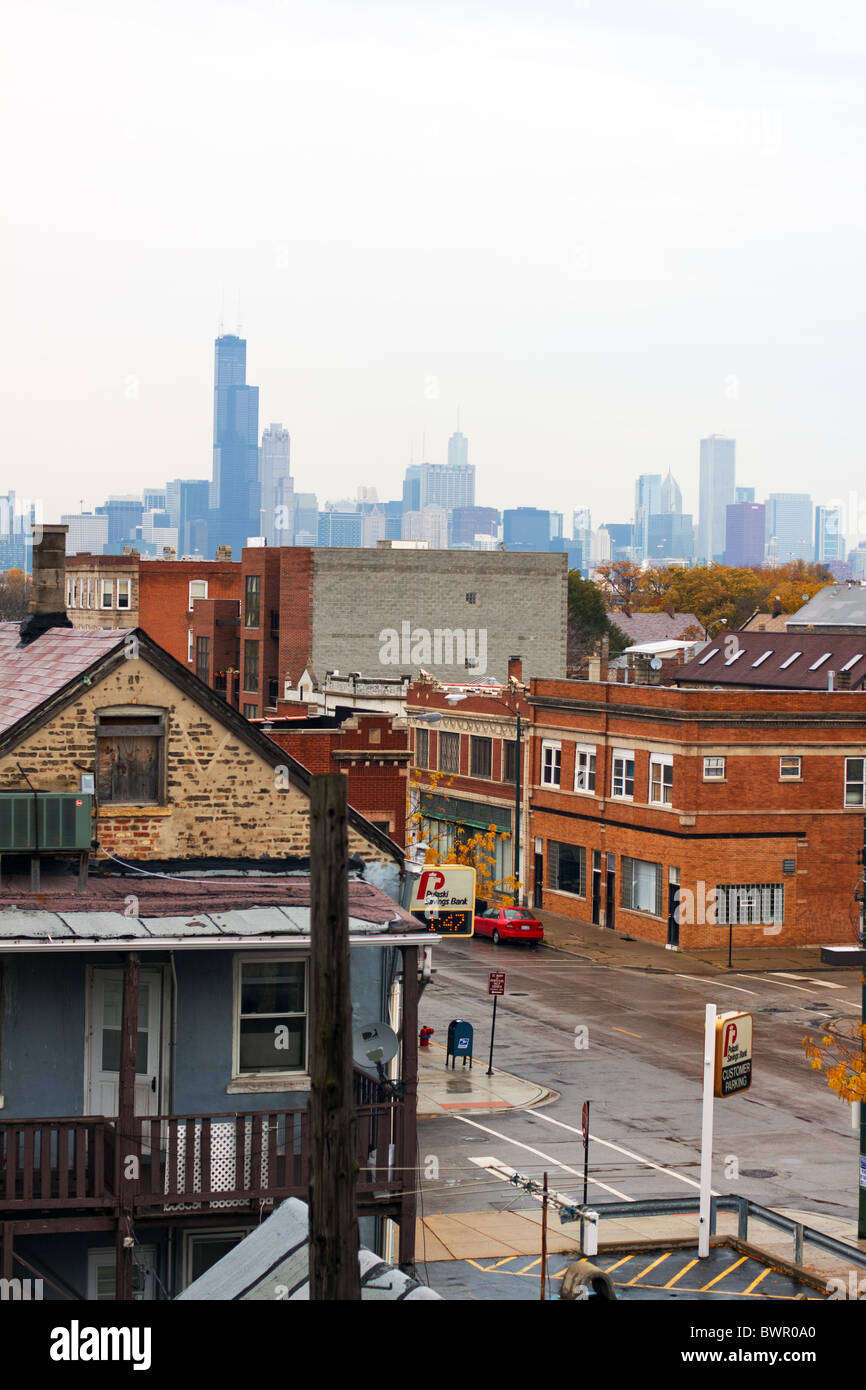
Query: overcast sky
601	229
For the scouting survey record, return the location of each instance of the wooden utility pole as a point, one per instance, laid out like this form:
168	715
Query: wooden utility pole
128	1152
334	1272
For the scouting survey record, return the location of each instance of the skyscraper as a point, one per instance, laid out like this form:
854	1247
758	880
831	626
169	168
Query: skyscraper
745	533
647	502
235	495
829	540
671	502
458	452
716	493
276	484
789	526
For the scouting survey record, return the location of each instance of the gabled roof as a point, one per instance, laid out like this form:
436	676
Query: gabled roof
766	622
777	661
272	1264
654	627
39	680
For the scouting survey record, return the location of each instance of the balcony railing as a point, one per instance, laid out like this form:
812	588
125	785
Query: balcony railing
190	1161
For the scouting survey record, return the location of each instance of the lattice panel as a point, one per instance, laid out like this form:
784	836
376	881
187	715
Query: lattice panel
223	1163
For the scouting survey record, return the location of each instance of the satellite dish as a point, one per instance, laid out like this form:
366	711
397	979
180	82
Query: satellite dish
373	1045
656	663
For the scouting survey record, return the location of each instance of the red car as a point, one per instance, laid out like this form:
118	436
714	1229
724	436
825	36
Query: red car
509	924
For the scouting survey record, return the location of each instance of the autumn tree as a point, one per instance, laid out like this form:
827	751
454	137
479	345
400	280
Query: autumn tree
842	1058
619	581
15	594
589	621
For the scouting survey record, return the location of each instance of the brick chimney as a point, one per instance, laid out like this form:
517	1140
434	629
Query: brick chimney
515	669
48	604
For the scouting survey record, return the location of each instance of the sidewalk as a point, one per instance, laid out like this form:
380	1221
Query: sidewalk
442	1091
612	948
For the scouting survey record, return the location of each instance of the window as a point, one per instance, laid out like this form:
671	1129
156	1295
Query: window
584	767
252	606
251	711
123	593
202	1249
714	769
509	760
747	904
470	598
251	666
790	769
855	781
197	589
566	868
622	779
422	747
641	886
74	602
271	1034
190	645
107	600
551	763
449	752
202	658
661	779
130	757
481	757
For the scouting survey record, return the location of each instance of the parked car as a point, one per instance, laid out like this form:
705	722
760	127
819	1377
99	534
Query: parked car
509	924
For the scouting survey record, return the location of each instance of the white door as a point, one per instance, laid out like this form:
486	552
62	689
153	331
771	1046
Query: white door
106	1004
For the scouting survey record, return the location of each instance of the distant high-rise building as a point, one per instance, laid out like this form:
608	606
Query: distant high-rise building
744	494
670	536
447	485
469	522
430	524
275	479
458	451
582	532
393	520
341	528
716	494
556	526
621	539
88	533
789	525
745	534
526	528
671	498
124	515
235	495
306	518
412	488
187	501
829	540
647	502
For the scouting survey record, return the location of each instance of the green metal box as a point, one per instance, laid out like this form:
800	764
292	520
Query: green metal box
63	822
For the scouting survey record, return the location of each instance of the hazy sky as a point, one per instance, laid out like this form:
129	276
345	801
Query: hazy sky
601	229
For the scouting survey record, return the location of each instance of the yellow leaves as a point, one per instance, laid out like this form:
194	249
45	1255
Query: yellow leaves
842	1058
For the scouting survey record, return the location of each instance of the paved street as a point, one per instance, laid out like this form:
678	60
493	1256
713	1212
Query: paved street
787	1143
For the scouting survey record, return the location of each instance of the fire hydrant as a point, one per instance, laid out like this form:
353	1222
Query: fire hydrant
425	1035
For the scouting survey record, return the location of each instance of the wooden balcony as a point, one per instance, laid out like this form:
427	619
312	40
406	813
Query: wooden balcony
189	1162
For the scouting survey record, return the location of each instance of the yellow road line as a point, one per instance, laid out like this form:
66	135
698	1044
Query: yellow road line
763	1274
618	1263
507	1260
725	1273
529	1266
649	1268
625	1030
685	1269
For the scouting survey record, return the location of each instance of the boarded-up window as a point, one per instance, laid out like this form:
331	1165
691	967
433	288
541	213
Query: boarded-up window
129	758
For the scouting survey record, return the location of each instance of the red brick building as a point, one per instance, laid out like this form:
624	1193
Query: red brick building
676	814
464	777
372	752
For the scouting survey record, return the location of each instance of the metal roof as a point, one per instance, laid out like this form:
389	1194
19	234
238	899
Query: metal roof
272	1264
836	605
29	675
777	660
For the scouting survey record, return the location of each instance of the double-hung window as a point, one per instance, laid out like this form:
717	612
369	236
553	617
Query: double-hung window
449	752
551	762
855	781
661	779
584	767
271	1020
714	769
622	775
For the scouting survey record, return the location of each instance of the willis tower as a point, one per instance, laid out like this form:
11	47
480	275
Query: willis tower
235	493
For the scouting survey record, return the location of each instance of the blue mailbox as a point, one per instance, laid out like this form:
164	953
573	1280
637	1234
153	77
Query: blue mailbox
460	1037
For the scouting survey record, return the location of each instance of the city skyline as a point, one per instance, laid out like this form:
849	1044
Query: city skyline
584	312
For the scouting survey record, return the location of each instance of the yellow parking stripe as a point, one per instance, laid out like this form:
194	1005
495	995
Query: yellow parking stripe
623	1261
725	1272
626	1031
685	1269
649	1268
763	1274
529	1266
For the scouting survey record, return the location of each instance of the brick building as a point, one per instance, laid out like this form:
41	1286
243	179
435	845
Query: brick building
464	778
458	614
370	749
675	814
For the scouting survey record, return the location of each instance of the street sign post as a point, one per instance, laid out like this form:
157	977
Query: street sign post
495	986
444	899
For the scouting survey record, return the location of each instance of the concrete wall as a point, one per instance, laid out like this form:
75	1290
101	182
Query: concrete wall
520	602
